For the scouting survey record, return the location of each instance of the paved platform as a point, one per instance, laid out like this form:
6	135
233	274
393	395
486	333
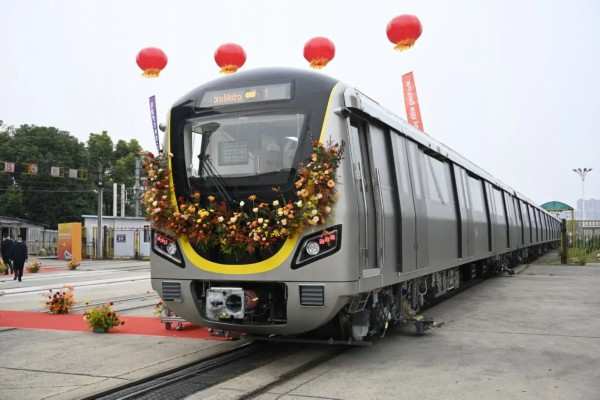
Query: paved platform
54	365
45	356
535	335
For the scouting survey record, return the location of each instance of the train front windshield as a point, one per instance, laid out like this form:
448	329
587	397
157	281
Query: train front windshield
243	150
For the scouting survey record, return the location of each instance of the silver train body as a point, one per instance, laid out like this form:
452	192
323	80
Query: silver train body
414	219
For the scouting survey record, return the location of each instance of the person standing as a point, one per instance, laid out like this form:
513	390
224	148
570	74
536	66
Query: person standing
19	258
7	248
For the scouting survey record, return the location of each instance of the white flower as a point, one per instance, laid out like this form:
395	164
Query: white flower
276	203
154	203
284	222
260	220
242	203
220	219
319	196
314	212
255	209
299	203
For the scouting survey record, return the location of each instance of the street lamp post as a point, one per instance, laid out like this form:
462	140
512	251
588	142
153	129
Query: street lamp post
582	172
99	214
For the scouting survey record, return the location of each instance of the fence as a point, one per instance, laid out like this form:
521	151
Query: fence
118	243
583	239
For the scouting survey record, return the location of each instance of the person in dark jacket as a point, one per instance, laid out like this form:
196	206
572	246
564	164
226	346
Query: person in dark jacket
19	258
7	248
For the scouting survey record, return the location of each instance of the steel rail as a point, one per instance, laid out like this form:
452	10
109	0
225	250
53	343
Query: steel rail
175	375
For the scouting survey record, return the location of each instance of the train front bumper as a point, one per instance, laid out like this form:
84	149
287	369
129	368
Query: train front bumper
300	318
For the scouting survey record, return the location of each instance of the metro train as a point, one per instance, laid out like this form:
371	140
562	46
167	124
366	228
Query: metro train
413	220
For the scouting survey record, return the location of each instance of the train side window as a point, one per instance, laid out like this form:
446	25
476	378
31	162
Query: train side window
476	192
403	166
439	182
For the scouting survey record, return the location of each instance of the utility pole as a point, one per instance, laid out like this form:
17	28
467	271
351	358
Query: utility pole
115	194
582	172
123	199
99	215
136	186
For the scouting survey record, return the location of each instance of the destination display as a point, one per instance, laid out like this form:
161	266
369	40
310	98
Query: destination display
252	94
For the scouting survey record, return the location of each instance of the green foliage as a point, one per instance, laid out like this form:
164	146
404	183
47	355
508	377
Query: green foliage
100	149
102	317
52	200
11	201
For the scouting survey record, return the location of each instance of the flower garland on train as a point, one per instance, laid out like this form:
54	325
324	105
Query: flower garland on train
249	224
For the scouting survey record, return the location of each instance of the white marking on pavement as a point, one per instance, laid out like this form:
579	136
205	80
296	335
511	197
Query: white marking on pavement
34	289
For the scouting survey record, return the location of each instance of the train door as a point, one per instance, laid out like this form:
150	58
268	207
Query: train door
408	234
383	176
418	186
369	263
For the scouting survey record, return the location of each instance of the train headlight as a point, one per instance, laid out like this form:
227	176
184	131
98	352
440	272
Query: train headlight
172	249
166	247
312	248
318	245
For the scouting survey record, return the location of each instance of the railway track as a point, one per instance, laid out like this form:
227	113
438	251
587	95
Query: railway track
196	377
201	376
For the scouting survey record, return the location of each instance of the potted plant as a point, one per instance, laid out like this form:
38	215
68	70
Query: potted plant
102	318
60	301
34	266
72	265
2	267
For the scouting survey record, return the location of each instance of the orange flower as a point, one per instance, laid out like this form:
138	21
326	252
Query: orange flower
330	184
252	197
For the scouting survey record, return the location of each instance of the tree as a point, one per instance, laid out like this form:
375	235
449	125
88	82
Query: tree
51	200
11	202
100	149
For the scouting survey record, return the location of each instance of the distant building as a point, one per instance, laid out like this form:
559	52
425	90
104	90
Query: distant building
559	209
39	240
124	237
591	208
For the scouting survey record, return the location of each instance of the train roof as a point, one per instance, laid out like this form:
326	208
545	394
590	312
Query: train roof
309	80
371	107
319	83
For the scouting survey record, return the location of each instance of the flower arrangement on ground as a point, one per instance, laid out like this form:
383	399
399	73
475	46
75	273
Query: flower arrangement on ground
160	308
34	266
72	265
60	301
102	318
248	224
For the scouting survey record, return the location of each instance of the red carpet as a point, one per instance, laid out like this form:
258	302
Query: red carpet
75	322
44	269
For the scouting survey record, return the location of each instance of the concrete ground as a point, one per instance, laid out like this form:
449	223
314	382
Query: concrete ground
49	364
93	281
54	365
535	335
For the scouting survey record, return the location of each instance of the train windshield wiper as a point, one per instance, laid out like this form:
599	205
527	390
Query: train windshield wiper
216	179
206	165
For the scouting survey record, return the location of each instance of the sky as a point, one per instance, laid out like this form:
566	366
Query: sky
514	86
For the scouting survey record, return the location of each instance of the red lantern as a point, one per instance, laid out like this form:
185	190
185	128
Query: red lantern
230	57
404	31
319	51
151	60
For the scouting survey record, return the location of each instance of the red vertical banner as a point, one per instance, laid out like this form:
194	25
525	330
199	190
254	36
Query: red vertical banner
411	101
